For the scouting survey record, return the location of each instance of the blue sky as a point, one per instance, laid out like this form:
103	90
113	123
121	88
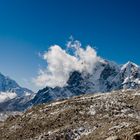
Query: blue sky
28	27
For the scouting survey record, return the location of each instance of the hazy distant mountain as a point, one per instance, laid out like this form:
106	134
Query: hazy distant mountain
10	91
9	85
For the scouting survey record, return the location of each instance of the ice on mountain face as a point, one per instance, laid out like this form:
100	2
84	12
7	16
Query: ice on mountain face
27	94
130	69
129	65
130	74
5	96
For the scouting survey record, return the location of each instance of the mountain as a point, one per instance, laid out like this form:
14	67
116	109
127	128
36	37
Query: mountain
130	75
106	76
109	116
9	85
11	92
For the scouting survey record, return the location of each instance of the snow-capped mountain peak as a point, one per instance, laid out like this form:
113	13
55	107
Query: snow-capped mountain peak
129	65
9	89
130	75
106	76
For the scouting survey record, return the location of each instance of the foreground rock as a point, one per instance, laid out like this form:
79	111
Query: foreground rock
110	116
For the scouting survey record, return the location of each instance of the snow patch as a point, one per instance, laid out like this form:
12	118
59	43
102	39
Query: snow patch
137	94
122	125
81	131
56	103
92	110
5	96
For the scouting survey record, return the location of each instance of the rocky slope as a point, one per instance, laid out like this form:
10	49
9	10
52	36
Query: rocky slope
108	116
106	76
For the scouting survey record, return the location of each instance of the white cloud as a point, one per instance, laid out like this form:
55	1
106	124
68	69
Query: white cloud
60	63
5	96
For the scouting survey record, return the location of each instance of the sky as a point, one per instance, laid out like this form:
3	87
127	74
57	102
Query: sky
30	27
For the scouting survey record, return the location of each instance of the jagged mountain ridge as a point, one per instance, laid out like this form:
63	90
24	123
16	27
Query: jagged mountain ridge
9	85
12	95
106	76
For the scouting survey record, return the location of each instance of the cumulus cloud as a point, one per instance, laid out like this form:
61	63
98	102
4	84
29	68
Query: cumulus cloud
5	96
60	63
